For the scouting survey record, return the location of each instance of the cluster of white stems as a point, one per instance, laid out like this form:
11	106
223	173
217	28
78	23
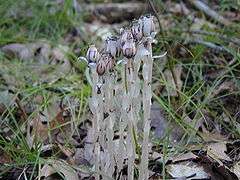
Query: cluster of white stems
120	102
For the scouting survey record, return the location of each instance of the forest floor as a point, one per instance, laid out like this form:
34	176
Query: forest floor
44	114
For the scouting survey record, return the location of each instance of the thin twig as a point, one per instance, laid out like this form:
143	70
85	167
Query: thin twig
209	45
209	12
221	36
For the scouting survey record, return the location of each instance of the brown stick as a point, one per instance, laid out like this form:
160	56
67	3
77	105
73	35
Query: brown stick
115	12
209	45
209	12
221	36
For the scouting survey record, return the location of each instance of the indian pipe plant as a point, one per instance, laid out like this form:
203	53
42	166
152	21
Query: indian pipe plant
120	103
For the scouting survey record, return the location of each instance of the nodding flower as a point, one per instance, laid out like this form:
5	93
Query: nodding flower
126	35
148	26
92	54
110	64
137	30
112	46
101	65
129	49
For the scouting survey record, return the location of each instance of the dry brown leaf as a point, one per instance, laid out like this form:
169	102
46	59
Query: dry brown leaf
186	169
42	126
57	166
225	86
213	136
4	158
217	151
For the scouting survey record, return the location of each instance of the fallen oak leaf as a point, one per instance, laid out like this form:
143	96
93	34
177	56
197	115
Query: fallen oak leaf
57	166
217	151
212	136
184	170
42	128
216	169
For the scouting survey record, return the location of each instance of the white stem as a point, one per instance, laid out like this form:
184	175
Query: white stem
123	99
147	95
97	119
111	120
131	119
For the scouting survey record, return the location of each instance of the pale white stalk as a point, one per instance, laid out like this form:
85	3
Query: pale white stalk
97	160
147	95
123	99
98	121
111	120
131	120
137	85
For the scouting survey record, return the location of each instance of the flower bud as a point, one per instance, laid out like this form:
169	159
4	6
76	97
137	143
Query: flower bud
137	30
92	54
148	26
110	64
126	36
113	46
101	67
129	49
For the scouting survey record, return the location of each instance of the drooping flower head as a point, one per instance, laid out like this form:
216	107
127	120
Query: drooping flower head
112	46
110	63
92	54
101	65
137	30
127	43
148	26
129	49
106	63
126	35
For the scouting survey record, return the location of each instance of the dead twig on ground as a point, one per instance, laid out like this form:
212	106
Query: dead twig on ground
115	12
221	36
209	12
209	45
